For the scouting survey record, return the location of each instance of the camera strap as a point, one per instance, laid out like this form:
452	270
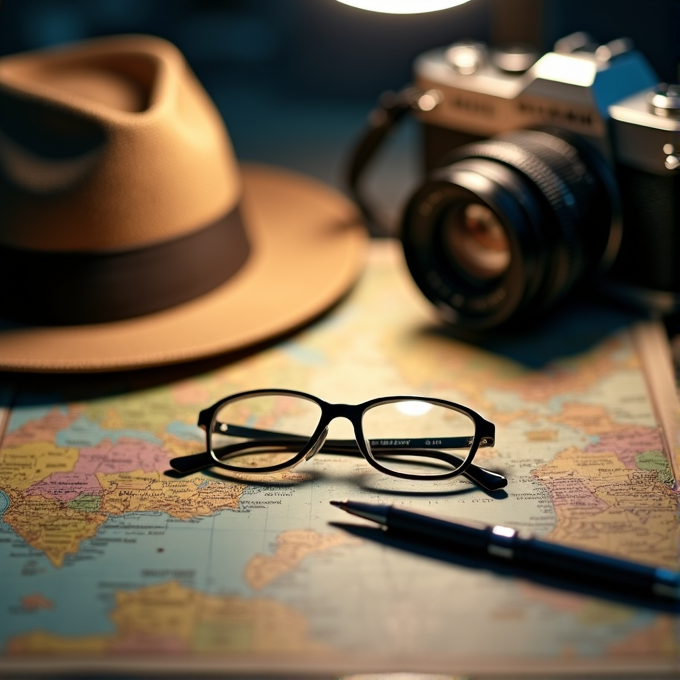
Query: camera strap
390	110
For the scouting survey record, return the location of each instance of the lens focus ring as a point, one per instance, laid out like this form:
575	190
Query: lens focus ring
561	180
553	197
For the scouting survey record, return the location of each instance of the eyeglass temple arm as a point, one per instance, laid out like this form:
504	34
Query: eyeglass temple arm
435	443
187	464
488	479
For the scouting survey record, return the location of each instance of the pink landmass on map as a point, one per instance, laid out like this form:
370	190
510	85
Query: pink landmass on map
106	458
626	444
65	486
36	601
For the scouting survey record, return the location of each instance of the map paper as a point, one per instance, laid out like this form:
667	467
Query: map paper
108	561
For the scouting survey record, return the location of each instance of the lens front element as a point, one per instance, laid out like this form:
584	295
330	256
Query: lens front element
418	437
262	432
476	241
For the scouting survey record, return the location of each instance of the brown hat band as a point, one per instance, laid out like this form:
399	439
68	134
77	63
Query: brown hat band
60	288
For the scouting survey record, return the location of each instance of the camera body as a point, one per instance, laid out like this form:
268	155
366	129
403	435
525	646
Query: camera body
588	111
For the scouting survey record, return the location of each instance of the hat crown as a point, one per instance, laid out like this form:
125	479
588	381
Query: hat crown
110	145
129	236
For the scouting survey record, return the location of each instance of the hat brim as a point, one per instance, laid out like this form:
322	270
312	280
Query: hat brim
308	247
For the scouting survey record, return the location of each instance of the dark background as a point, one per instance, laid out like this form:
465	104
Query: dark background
294	79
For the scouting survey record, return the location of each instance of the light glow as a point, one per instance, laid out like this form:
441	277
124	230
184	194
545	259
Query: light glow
506	532
413	408
403	6
427	101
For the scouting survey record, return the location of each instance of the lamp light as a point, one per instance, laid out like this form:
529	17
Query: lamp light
403	6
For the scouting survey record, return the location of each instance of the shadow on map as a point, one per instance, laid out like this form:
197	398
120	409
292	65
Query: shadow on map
570	330
601	588
364	481
429	490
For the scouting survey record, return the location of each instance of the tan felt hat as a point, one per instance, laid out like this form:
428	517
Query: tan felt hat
130	236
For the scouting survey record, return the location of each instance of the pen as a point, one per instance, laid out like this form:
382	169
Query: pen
523	550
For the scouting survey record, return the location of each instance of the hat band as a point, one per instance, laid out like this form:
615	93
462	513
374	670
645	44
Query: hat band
60	288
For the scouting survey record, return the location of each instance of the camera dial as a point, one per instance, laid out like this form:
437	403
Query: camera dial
514	58
466	56
665	100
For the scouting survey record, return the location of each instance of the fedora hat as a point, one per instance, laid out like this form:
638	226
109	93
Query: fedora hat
130	236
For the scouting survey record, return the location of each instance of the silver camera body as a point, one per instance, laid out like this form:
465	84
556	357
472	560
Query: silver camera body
608	97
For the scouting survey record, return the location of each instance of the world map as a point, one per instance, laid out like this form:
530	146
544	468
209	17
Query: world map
108	556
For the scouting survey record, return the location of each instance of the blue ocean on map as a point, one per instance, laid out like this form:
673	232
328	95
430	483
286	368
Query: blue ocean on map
185	431
131	551
85	432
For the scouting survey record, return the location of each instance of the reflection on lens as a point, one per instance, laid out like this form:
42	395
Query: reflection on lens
262	431
426	440
477	241
413	408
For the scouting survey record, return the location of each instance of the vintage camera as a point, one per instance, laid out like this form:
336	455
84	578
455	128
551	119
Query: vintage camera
543	175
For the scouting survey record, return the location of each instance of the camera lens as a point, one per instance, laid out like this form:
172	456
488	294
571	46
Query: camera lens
510	226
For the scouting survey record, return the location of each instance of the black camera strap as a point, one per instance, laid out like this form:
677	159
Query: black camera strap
390	110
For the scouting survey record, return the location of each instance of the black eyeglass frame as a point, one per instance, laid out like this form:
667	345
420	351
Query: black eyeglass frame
484	435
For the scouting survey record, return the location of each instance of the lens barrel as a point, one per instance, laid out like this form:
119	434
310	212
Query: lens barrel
510	226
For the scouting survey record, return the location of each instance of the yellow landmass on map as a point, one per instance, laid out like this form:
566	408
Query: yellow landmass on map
291	548
112	420
604	506
183	498
26	464
590	418
542	435
146	410
58	528
43	642
173	618
49	525
178	447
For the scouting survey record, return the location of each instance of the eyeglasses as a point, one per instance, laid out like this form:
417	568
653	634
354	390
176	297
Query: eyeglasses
264	431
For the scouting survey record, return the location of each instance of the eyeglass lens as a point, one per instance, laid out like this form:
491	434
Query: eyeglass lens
408	436
418	437
263	430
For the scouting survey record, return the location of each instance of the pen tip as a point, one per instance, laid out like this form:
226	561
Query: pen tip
338	504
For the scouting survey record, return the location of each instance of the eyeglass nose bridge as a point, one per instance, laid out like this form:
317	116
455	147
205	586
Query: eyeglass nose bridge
334	411
350	412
